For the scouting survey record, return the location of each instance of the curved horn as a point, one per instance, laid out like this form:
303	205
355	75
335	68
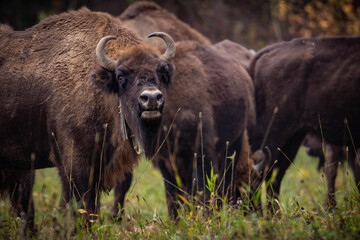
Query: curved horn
104	60
260	158
170	45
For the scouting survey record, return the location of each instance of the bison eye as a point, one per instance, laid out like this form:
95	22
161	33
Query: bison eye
122	81
122	73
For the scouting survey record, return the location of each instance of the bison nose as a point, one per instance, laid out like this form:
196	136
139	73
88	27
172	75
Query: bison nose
151	99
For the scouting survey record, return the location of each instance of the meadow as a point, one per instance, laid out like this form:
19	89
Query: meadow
301	211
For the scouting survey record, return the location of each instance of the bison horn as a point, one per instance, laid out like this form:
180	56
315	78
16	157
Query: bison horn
104	60
261	160
170	45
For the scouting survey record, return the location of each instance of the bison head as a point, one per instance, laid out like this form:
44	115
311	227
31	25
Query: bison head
139	77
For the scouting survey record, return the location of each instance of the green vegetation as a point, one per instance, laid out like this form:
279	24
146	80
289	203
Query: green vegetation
301	215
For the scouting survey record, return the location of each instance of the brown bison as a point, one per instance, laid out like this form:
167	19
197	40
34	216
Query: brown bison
54	111
210	82
19	183
206	81
146	17
307	85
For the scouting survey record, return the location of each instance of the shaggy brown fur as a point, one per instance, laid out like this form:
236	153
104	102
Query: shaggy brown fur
240	54
147	17
244	165
51	109
242	57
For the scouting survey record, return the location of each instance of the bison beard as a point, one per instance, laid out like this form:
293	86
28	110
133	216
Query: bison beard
149	129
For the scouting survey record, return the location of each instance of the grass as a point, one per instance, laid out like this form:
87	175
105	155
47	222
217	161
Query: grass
301	216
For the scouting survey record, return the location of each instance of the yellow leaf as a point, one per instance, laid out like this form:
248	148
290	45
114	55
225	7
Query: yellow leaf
82	211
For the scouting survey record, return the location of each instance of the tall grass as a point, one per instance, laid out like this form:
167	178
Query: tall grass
301	214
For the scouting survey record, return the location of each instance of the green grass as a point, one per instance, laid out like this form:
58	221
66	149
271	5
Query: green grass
301	216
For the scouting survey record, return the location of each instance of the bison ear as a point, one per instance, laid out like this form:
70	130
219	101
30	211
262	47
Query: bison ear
105	80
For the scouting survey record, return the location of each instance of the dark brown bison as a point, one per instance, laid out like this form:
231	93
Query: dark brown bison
143	17
207	81
146	17
19	183
306	85
54	111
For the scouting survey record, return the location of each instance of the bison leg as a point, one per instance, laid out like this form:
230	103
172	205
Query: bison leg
21	198
171	190
285	158
357	171
120	191
332	156
65	194
86	194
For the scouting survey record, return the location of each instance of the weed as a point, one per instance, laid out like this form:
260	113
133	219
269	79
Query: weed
301	211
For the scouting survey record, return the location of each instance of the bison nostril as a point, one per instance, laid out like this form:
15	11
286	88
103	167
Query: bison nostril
144	99
159	97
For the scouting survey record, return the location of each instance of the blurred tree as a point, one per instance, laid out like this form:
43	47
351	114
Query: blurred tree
322	18
253	23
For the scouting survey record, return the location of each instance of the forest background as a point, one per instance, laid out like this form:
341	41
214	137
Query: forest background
252	23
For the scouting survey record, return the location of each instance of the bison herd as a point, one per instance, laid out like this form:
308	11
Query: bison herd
87	93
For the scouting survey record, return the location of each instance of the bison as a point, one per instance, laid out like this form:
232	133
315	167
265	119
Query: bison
145	17
207	81
307	85
61	93
19	183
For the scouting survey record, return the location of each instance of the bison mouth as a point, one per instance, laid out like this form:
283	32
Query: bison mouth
151	115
